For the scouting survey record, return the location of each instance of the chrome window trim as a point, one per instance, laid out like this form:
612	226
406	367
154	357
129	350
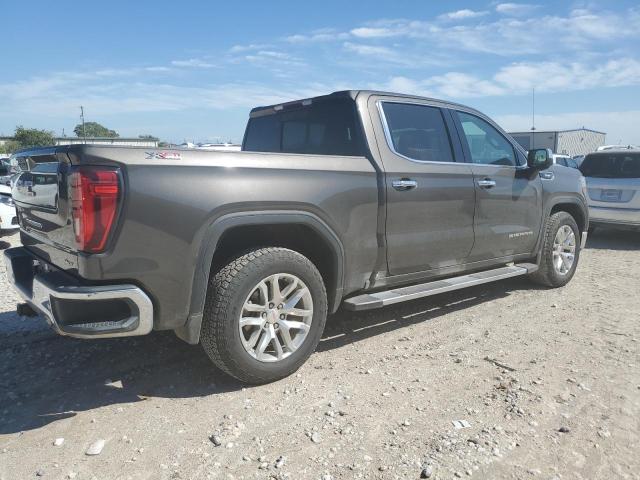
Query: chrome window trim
389	140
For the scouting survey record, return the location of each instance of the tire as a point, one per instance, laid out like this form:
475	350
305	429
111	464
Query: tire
548	274
230	292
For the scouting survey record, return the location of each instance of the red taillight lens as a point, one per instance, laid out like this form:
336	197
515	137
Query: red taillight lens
95	192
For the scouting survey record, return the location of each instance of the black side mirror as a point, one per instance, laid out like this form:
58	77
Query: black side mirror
539	159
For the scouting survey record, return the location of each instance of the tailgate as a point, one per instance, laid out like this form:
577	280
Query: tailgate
614	192
41	196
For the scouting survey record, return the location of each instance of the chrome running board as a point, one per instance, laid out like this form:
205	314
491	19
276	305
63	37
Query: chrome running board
368	301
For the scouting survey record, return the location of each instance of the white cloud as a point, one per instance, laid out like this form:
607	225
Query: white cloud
157	69
580	31
373	32
520	78
274	59
371	50
516	9
193	63
554	77
59	94
321	35
463	14
247	48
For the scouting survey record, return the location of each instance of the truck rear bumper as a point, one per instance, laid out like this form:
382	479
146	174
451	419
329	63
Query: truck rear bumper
74	309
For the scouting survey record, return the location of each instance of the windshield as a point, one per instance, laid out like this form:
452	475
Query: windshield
611	165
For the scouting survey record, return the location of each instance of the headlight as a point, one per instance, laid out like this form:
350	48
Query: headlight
5	200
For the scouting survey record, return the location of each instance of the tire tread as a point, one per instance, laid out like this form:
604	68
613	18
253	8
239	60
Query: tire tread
216	331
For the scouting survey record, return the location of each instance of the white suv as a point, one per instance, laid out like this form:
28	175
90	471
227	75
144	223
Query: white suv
613	183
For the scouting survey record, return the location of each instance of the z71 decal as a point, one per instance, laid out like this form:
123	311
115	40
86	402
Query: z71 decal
163	156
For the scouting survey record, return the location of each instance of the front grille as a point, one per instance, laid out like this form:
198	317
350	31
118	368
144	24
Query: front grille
23	164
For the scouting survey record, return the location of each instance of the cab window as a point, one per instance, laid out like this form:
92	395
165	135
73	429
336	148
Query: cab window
417	132
486	144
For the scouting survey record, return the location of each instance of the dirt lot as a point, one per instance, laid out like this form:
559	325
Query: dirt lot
378	400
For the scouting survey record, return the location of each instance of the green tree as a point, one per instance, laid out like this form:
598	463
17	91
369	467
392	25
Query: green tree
148	137
9	147
94	129
32	137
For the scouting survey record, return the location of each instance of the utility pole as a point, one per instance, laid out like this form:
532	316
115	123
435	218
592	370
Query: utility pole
84	134
533	118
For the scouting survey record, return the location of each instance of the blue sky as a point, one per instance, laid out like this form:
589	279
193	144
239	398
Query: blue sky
192	70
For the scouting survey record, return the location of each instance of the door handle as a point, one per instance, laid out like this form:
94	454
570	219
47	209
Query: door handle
486	183
404	184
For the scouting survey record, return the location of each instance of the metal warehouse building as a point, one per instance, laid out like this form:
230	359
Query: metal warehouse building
569	142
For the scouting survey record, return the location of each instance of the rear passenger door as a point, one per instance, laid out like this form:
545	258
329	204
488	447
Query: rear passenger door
430	198
508	196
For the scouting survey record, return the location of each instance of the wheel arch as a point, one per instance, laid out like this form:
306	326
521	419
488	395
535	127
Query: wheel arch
574	208
226	237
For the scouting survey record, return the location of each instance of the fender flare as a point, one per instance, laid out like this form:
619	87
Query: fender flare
572	200
548	207
211	235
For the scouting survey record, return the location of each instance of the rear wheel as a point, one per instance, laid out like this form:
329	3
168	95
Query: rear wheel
560	251
264	315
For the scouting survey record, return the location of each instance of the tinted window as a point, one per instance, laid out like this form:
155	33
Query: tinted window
418	132
561	161
327	127
486	144
572	163
263	134
611	165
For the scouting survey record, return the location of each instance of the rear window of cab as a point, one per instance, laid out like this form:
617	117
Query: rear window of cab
329	127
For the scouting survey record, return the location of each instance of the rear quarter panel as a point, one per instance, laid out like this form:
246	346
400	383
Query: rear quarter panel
169	204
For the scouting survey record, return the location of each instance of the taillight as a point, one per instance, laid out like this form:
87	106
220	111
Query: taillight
95	192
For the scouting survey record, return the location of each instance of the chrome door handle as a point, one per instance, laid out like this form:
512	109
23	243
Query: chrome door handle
404	184
486	183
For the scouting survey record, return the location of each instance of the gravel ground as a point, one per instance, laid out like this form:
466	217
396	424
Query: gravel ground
500	381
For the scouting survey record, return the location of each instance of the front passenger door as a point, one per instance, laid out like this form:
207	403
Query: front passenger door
508	196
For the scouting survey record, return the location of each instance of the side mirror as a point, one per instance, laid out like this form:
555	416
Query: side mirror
539	159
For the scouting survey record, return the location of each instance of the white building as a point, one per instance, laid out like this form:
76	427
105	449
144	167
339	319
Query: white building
569	142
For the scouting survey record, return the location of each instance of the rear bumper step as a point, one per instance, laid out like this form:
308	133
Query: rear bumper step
369	301
75	310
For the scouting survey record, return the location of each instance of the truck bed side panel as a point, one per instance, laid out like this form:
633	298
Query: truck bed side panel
169	203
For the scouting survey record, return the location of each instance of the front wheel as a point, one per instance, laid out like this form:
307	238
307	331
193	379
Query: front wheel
560	251
264	315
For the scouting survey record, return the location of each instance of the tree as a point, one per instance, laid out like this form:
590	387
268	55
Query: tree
94	129
9	147
32	137
148	137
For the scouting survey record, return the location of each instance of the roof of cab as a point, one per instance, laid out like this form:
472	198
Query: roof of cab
349	94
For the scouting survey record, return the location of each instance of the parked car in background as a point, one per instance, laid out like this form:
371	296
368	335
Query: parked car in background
564	160
6	171
613	185
578	159
8	218
357	198
604	148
